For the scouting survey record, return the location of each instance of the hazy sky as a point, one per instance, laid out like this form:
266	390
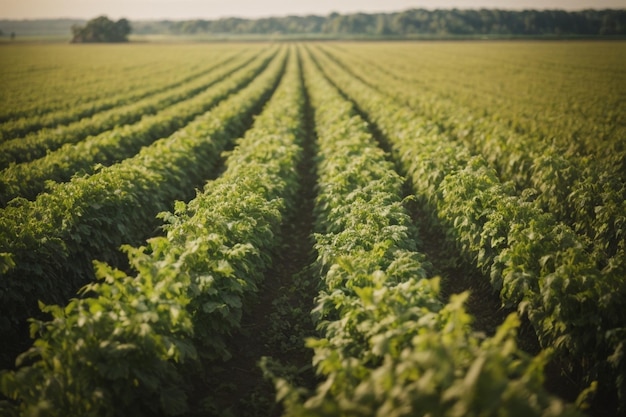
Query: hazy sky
208	9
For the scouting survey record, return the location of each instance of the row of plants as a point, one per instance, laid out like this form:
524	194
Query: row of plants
390	345
50	85
548	91
31	178
132	343
243	210
48	244
586	193
39	143
536	264
41	107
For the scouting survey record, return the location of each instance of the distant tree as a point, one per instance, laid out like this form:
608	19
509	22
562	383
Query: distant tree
102	29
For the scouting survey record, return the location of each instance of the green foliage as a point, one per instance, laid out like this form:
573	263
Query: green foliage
389	345
102	29
118	346
29	179
120	350
538	264
91	216
414	22
50	136
86	81
543	221
568	160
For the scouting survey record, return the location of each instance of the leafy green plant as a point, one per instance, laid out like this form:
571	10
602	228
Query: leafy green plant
123	349
112	146
39	143
535	262
51	241
389	345
577	181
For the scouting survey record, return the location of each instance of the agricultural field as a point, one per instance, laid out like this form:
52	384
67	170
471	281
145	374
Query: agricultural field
313	229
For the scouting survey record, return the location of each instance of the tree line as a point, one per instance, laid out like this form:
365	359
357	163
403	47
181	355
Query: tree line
411	22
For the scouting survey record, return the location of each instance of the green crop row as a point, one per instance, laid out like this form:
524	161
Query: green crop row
536	263
565	94
46	85
585	192
29	179
240	216
48	244
83	97
129	346
390	346
38	144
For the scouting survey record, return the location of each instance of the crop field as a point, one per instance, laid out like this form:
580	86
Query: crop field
313	229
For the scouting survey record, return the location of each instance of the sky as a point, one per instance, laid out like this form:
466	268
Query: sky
210	9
